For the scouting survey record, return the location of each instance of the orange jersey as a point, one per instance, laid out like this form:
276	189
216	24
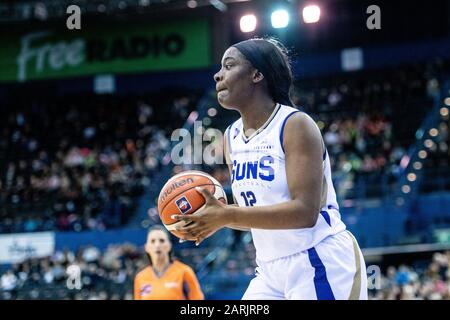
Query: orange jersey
177	283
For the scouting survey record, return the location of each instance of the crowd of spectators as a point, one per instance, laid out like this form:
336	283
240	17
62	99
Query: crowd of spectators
423	281
88	273
363	153
80	162
369	120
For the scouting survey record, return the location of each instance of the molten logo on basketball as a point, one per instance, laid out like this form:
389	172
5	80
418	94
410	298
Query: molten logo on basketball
174	186
184	205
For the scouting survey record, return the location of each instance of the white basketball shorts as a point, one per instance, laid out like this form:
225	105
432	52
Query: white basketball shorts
333	269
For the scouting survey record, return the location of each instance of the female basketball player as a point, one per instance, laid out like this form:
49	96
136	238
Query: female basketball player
165	279
281	181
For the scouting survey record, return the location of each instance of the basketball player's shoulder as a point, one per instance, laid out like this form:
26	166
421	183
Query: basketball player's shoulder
300	121
301	126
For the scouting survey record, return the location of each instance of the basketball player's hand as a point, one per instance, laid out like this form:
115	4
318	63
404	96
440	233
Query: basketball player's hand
205	222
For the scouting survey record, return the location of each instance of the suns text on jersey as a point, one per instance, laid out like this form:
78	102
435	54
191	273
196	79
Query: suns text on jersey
260	169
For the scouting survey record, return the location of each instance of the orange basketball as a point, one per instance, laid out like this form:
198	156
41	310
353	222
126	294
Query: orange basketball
178	196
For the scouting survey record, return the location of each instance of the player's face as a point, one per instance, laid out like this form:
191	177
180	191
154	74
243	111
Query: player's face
234	79
158	244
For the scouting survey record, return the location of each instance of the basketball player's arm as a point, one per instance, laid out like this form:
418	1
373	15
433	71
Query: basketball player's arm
304	172
230	169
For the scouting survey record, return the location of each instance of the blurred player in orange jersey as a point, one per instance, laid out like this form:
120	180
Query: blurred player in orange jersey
165	278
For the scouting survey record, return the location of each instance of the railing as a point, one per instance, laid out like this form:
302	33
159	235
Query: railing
413	172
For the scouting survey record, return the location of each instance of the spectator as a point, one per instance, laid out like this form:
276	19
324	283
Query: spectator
8	281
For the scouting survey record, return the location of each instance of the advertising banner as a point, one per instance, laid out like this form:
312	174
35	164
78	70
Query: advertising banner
58	53
17	247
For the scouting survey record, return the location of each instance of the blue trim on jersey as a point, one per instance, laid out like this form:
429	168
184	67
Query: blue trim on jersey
326	216
323	288
332	207
325	154
228	134
282	127
243	139
246	140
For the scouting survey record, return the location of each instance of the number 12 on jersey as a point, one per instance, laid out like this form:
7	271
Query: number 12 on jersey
249	198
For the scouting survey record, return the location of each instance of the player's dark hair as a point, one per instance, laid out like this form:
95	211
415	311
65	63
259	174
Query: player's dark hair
160	228
271	58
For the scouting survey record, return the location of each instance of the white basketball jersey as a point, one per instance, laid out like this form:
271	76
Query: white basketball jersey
259	179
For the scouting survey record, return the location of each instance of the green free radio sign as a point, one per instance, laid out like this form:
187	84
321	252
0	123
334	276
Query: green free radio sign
50	53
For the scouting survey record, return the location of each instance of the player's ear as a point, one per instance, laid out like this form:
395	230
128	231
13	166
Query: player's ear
257	76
